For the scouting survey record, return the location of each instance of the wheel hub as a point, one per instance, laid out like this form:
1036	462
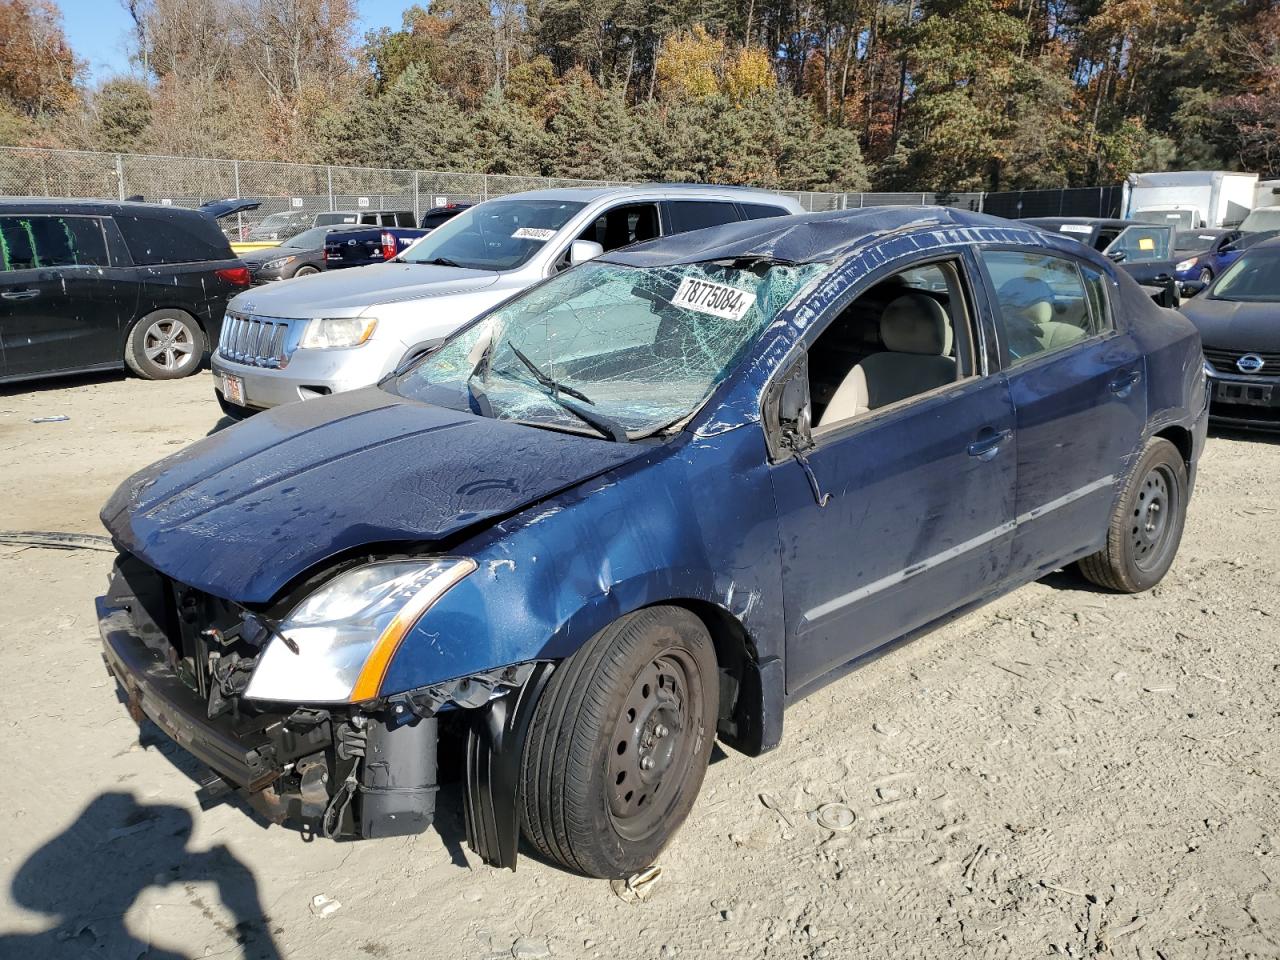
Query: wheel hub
1151	512
650	746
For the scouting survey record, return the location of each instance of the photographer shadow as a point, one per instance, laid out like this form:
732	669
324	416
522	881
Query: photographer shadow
88	877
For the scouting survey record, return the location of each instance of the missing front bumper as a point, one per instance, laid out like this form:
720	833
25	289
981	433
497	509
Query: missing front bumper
351	775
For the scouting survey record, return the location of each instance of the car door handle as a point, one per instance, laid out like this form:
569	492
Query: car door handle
987	444
1122	384
20	294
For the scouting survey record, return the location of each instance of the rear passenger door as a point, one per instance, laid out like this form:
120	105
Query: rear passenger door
1076	379
60	295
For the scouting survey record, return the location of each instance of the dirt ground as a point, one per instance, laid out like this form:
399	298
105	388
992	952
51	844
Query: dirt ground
1065	772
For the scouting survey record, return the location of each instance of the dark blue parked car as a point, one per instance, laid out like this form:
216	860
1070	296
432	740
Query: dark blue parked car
1203	255
641	506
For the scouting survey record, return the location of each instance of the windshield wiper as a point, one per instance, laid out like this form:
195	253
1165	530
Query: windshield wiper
553	385
442	262
607	426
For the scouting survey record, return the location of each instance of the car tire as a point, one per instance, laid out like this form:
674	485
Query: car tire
619	744
1146	524
165	345
305	271
1206	276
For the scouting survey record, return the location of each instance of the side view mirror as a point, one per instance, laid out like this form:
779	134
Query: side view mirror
788	415
1117	256
1228	248
580	251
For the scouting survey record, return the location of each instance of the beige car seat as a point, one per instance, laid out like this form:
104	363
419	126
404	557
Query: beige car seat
1028	309
916	332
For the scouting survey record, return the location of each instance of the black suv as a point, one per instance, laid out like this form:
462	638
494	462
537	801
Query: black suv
86	285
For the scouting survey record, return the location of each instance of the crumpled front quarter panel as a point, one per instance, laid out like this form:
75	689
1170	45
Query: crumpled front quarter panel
694	520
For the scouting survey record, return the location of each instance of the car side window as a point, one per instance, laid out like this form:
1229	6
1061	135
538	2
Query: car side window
618	227
759	211
909	334
1095	283
1043	304
46	241
686	215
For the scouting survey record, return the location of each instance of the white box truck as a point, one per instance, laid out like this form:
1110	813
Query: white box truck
1190	199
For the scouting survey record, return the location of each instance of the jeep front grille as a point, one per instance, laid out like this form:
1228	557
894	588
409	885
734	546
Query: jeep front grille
257	341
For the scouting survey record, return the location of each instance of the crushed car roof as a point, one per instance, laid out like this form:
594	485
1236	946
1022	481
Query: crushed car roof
803	238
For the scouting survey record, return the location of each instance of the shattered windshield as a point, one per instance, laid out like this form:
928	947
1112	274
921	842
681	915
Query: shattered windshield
610	350
497	235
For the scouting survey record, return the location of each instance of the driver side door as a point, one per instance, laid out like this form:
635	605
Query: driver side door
896	516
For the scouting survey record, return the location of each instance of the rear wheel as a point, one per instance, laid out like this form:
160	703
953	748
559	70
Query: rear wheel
165	345
619	743
1146	525
305	271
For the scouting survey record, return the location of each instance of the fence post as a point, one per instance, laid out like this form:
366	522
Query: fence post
235	170
120	175
982	200
417	209
329	173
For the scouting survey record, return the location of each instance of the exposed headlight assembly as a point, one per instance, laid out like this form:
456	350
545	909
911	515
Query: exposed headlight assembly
339	332
1184	265
347	631
278	262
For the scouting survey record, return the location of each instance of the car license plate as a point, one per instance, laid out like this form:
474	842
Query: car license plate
233	389
1248	394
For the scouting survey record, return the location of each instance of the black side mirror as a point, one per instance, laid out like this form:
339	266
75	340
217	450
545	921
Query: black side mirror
1117	256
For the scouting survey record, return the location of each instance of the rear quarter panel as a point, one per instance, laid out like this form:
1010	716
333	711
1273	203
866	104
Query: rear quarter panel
1176	389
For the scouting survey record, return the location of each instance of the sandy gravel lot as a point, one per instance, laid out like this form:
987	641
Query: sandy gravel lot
1065	772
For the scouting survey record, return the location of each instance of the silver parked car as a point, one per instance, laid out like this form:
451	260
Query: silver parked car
347	329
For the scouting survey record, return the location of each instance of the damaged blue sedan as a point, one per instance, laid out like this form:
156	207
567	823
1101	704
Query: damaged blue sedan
641	507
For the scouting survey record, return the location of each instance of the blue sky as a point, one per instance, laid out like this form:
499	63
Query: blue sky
99	29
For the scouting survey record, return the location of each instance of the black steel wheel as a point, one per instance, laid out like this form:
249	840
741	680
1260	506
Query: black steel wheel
1146	523
620	742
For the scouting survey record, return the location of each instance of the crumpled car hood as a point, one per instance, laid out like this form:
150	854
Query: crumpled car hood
243	512
338	293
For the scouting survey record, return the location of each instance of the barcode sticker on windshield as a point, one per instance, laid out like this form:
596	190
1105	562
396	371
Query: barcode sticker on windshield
713	298
533	233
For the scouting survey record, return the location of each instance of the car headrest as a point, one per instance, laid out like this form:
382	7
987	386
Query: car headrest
915	323
1031	297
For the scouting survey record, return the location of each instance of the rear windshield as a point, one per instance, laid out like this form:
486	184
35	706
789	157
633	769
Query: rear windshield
172	237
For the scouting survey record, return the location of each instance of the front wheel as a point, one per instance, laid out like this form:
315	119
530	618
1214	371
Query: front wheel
1146	524
165	345
305	271
619	743
1206	276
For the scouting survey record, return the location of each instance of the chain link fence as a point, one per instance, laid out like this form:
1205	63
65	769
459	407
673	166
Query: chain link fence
301	189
